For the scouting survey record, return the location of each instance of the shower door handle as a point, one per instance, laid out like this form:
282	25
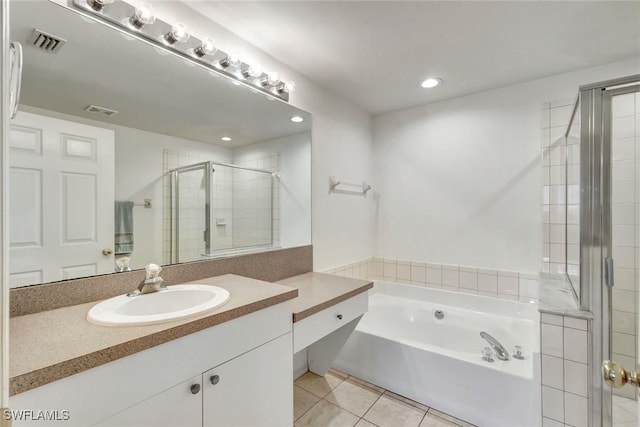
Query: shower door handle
616	376
608	272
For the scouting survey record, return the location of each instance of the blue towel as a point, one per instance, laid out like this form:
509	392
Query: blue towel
123	228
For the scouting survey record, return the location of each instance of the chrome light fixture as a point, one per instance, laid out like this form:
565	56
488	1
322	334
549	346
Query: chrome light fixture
99	4
140	21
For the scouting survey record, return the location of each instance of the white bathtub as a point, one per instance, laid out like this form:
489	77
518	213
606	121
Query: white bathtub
401	346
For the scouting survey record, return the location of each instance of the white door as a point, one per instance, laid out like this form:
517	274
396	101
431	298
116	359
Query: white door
61	200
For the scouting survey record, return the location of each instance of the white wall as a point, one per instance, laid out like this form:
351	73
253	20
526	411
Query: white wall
294	184
459	180
343	226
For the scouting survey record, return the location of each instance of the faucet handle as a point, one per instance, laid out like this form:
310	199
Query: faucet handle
487	355
153	270
517	353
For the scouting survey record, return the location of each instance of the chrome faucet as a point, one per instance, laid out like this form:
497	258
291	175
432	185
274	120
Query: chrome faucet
153	282
501	352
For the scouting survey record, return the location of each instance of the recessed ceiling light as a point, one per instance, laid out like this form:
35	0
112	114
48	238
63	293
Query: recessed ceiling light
430	82
297	119
226	138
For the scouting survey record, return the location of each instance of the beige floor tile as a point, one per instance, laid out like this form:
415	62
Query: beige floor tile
365	423
302	401
431	420
450	418
320	386
355	398
390	412
406	400
324	414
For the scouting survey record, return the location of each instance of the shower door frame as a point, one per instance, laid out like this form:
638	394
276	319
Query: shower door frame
595	228
175	207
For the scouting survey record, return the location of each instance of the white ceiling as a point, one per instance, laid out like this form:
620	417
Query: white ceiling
375	53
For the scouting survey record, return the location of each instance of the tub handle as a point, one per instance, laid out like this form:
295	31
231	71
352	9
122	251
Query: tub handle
339	316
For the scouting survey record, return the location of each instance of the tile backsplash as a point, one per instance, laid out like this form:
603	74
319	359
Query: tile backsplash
511	285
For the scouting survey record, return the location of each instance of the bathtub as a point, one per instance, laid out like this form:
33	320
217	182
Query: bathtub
401	346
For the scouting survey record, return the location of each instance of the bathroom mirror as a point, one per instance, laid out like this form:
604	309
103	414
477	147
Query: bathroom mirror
123	153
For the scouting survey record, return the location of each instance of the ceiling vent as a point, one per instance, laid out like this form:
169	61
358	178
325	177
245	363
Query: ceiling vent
107	112
47	42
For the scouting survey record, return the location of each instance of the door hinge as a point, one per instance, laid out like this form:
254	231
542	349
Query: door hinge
608	272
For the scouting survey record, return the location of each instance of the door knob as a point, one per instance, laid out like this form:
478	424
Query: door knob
107	252
616	376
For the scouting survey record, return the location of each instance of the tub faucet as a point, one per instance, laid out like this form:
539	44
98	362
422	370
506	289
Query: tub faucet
501	352
153	282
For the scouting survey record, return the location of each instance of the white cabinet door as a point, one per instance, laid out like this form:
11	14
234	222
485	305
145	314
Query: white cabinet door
252	390
179	406
61	210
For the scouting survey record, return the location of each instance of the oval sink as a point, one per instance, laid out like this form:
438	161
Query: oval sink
176	302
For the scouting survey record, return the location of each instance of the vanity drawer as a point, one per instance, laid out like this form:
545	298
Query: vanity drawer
311	329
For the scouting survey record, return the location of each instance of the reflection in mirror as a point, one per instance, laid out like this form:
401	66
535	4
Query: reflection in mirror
123	154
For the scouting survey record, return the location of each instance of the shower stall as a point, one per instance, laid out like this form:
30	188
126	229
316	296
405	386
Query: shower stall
608	142
216	209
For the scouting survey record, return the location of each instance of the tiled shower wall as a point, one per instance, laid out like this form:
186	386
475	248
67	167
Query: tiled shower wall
510	285
256	210
625	171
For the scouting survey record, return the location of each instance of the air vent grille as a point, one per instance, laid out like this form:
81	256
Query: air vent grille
47	42
107	112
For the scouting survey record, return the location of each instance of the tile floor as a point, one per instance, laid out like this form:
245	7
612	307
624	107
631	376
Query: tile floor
625	412
340	400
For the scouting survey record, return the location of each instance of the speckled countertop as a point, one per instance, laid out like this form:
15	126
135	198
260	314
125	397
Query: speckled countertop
317	291
50	345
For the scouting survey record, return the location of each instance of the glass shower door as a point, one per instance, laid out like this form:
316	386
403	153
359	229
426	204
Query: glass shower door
621	131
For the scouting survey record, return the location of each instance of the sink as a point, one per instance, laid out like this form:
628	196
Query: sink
176	302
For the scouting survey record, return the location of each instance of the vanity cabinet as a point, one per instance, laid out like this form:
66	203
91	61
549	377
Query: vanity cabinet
250	390
251	356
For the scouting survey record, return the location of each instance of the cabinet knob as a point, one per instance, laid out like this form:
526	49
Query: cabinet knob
215	379
339	316
195	388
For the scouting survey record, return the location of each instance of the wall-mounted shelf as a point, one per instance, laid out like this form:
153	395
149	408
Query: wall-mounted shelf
336	186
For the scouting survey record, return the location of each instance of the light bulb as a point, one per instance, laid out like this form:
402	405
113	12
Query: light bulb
297	119
226	138
178	33
207	47
252	71
142	16
430	82
272	79
231	60
99	4
286	87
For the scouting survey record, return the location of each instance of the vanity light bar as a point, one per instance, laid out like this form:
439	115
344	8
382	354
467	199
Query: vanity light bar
140	21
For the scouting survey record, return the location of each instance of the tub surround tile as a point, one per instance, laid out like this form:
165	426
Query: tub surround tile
389	270
575	345
576	410
418	274
434	275
68	344
553	403
548	422
268	266
552	340
572	322
487	283
326	414
508	285
468	280
450	277
551	319
403	272
389	412
576	378
553	371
